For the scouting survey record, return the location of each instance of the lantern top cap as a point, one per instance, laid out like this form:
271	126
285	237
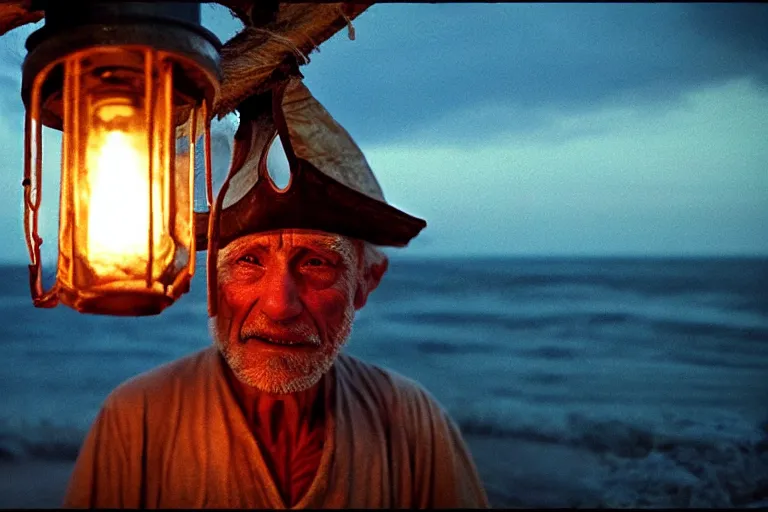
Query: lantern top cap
62	17
169	27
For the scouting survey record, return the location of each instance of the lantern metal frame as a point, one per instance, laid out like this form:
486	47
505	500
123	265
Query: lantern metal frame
176	49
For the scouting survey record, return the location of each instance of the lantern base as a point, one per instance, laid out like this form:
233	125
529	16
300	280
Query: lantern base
117	302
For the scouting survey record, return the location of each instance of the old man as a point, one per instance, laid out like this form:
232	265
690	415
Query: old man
274	415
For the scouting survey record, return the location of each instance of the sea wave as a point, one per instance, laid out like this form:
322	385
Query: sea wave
45	440
588	321
687	464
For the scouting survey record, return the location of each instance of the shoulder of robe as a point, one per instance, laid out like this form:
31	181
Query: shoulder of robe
133	393
408	401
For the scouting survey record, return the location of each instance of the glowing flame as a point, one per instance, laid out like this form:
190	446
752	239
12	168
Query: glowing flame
118	216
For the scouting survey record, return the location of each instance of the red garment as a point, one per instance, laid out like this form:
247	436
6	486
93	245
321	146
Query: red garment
289	430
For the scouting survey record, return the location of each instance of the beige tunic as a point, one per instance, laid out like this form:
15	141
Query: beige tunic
175	437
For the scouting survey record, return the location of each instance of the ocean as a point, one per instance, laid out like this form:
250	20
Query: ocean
654	369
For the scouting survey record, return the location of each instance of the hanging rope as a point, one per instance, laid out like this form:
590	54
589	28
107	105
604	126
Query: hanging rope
350	26
282	40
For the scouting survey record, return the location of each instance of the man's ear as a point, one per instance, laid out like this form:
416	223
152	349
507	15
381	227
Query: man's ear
370	277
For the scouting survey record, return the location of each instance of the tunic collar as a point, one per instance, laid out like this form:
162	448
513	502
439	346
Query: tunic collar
268	413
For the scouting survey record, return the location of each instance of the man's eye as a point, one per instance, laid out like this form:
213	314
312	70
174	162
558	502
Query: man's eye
315	262
249	259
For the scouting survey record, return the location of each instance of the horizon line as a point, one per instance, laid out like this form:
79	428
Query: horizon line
394	253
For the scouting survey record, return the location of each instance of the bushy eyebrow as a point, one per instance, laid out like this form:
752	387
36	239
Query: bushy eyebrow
338	246
255	246
318	247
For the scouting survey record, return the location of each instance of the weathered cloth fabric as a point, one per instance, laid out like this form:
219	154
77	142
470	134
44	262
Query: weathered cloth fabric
289	429
176	437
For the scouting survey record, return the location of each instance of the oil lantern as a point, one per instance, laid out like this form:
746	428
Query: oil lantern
131	87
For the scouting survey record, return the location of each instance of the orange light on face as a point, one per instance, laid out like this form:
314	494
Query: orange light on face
126	234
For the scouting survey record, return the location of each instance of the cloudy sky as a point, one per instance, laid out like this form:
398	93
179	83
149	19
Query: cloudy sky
532	129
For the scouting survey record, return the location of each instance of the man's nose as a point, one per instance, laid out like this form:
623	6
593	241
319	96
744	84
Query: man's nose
280	297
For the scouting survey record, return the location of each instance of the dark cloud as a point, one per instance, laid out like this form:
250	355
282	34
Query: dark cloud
742	28
462	71
413	65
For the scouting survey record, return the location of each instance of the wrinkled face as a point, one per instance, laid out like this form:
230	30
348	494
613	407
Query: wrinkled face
286	305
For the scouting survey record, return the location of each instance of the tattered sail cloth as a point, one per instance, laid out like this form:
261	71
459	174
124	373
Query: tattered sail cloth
251	60
331	189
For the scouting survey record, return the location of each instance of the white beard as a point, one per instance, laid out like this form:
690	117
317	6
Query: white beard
282	373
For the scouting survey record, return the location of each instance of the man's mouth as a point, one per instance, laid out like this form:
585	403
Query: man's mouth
280	342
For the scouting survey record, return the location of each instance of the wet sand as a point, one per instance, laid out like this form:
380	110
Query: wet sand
33	484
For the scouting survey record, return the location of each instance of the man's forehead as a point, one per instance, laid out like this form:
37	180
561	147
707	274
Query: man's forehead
287	239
